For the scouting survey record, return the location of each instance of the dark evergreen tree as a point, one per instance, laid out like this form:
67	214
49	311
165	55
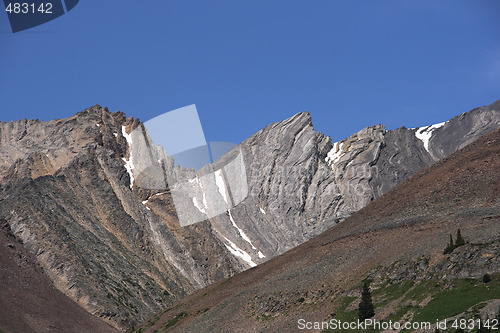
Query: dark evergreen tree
366	309
450	247
460	240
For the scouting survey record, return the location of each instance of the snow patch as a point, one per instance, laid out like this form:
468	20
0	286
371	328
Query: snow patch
424	134
144	203
129	165
127	136
204	197
115	134
242	233
335	154
195	203
262	211
220	184
236	251
261	255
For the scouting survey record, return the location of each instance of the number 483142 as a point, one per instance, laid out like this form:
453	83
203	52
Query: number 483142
471	324
25	8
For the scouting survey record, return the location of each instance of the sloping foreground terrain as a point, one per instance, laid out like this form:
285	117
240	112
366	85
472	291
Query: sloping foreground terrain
397	241
28	300
68	192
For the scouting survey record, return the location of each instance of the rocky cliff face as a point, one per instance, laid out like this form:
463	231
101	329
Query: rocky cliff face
301	184
71	191
67	196
373	161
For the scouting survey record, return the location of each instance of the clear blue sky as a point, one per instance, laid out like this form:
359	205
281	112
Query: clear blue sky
246	64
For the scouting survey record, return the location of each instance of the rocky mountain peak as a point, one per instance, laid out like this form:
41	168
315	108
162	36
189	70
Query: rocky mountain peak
299	120
494	106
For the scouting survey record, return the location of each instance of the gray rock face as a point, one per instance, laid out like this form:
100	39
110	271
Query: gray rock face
70	189
90	232
300	183
291	191
463	129
373	161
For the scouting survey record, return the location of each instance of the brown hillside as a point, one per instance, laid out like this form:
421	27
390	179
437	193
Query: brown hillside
28	300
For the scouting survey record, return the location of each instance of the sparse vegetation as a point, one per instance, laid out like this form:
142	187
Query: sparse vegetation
453	245
389	292
366	309
425	301
460	240
202	310
175	320
450	246
450	302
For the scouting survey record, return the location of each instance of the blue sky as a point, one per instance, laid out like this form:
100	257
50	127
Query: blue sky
246	64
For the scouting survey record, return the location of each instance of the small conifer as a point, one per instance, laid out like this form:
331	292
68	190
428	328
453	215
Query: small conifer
366	309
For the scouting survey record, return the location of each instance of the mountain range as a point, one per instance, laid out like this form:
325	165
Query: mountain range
73	209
